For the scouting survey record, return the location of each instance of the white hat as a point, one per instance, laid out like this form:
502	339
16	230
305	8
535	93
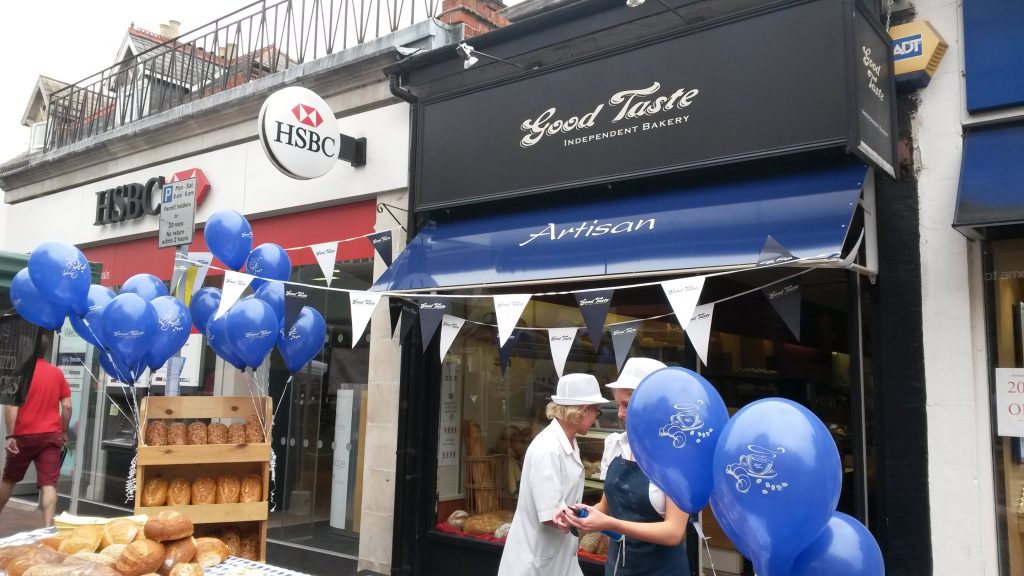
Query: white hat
578	390
635	370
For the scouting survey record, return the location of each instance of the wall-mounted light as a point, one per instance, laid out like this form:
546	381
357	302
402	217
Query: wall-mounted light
636	3
469	57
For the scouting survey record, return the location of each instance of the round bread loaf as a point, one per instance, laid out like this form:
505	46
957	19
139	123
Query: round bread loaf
227	489
211	551
156	433
178	552
140	557
216	433
204	490
252	489
250	546
179	492
189	569
176	434
233	540
113	551
236	434
168	525
118	531
154	491
197	433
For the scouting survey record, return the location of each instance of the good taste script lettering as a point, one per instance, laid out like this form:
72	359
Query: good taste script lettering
631	104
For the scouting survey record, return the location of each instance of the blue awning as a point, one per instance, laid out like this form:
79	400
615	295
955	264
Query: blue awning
714	226
990	202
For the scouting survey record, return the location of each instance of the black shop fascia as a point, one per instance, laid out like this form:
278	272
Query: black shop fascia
604	96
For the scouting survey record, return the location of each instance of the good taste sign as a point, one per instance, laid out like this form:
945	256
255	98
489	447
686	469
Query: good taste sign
300	136
772	82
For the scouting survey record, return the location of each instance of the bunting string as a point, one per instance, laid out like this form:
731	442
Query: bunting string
343	240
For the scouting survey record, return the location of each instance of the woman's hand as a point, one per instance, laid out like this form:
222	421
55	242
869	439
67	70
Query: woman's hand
594	521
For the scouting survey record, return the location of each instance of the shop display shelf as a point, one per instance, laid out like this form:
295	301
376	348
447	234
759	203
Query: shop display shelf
192	461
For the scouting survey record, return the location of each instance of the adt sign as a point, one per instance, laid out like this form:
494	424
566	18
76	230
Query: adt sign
908	47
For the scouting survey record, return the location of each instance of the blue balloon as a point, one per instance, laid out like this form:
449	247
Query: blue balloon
777	481
844	548
303	341
217	336
268	262
174	324
145	285
252	328
128	328
273	293
116	370
229	237
88	325
674	420
61	273
32	305
203	306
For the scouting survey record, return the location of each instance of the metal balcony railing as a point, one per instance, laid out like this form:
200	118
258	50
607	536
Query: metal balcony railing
250	43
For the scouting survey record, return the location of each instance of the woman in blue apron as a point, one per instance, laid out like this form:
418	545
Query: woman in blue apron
649	526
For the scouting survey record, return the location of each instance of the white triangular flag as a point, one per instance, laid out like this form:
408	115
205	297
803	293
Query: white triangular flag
363	304
450	327
203	260
699	330
683	294
234	284
326	254
508	308
561	340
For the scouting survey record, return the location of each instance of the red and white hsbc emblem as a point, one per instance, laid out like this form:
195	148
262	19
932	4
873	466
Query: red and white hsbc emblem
307	115
299	133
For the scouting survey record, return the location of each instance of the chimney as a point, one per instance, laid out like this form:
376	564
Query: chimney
227	51
476	16
165	30
173	28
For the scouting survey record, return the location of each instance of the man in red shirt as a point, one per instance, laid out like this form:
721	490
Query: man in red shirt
36	432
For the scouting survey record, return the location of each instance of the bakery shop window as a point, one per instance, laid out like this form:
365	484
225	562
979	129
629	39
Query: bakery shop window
488	418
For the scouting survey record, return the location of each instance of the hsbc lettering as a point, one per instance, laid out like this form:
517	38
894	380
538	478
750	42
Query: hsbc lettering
305	139
128	202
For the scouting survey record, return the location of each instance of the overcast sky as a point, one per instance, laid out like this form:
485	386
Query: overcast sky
70	40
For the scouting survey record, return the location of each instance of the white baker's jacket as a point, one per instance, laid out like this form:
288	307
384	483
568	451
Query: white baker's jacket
552	476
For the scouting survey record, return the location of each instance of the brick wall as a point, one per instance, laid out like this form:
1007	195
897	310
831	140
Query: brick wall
477	16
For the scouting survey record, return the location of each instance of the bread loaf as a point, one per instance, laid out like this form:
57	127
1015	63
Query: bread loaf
204	490
91	557
233	540
177	552
236	434
211	551
113	551
168	525
176	435
19	565
216	433
227	489
252	489
154	491
254	430
156	433
118	531
486	523
140	557
197	433
81	539
179	492
189	569
250	549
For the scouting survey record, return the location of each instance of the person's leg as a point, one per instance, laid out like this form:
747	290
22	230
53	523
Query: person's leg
48	503
5	493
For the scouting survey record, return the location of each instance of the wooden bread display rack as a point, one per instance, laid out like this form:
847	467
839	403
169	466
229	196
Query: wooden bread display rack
210	460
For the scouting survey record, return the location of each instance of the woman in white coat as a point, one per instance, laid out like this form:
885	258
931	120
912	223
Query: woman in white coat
539	542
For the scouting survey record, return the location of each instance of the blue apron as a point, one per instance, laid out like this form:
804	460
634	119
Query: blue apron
626	490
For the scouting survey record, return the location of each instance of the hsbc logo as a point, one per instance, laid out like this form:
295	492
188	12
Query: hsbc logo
307	115
132	201
300	136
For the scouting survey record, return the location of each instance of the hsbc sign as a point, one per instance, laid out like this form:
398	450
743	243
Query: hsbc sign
300	135
134	200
